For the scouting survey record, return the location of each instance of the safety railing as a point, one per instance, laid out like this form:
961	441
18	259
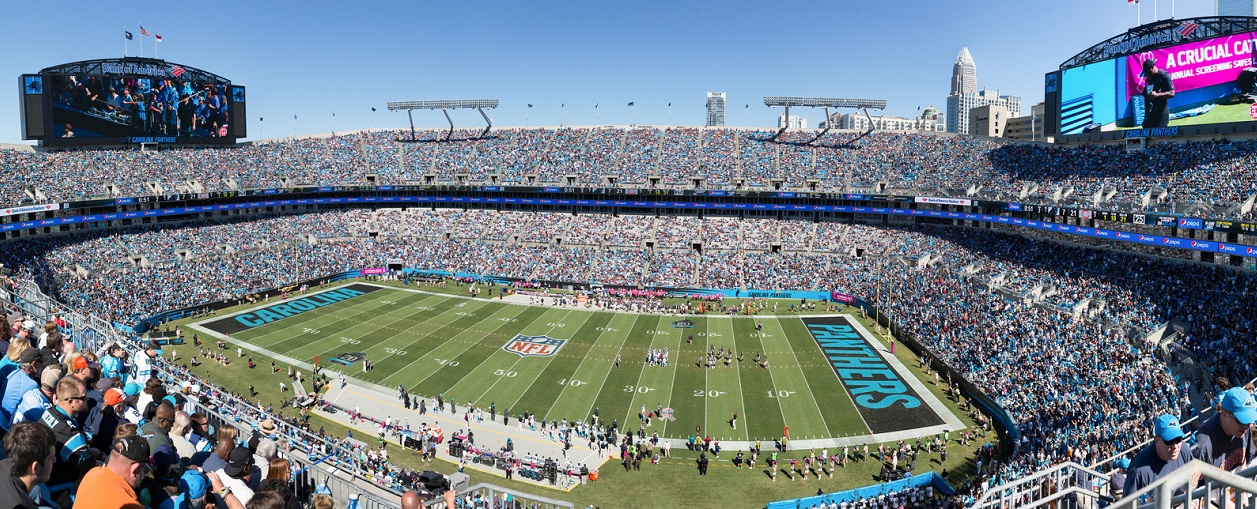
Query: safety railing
1067	485
1196	485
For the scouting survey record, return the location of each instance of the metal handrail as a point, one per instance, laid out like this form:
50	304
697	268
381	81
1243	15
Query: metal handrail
1006	495
1206	478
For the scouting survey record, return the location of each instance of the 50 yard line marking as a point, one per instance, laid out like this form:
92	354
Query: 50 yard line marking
562	320
454	338
473	345
548	362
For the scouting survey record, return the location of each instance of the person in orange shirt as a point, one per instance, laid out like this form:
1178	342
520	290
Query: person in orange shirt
112	486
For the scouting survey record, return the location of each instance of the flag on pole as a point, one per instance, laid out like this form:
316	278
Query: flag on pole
530	105
144	32
128	35
373	108
630	103
294	116
333	113
158	37
595	106
669	105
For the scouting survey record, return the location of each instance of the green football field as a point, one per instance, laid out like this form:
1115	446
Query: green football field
455	346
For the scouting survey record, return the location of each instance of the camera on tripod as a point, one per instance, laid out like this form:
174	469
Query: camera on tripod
432	485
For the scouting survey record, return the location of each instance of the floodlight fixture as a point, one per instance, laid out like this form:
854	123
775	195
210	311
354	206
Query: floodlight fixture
444	105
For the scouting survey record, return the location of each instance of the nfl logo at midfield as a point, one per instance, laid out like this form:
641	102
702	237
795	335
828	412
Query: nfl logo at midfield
534	346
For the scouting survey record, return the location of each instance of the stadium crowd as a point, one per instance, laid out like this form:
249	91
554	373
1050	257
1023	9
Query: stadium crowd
1215	174
1050	368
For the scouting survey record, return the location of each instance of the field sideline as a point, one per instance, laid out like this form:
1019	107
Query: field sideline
433	343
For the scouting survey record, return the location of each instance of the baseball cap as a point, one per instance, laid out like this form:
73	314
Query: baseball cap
132	389
1241	403
114	396
81	362
1122	463
193	484
239	461
1168	428
1147	64
50	377
134	448
164	457
28	356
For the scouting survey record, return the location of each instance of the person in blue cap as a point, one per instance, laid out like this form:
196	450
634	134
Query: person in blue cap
1224	440
1117	480
1165	454
192	489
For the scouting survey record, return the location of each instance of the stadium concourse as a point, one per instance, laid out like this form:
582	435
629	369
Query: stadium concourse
1205	178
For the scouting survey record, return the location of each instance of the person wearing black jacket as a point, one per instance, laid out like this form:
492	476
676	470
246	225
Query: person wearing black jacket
30	448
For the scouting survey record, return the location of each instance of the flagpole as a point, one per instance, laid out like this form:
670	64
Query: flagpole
141	40
126	44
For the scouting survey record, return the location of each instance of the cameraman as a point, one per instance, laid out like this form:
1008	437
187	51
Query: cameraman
413	500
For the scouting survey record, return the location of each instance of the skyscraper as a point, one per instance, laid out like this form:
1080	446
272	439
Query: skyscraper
1236	7
965	95
964	74
715	109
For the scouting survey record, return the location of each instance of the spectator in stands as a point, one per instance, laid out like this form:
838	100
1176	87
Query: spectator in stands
113	485
17	383
110	417
1224	440
237	472
265	500
193	486
75	457
411	499
217	459
323	501
282	488
36	400
179	434
30	451
1158	459
157	431
9	363
112	366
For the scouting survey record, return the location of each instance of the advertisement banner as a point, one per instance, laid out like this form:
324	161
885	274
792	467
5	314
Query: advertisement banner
374	271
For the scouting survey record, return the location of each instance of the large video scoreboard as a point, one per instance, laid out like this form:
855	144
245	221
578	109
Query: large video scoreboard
130	101
1209	61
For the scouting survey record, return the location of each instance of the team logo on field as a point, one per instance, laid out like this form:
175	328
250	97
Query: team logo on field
534	346
683	324
348	358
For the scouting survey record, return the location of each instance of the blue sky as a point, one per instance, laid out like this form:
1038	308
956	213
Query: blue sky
313	58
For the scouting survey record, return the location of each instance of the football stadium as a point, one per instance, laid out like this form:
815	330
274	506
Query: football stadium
859	316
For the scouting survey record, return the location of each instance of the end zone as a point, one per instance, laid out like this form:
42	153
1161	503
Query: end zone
887	396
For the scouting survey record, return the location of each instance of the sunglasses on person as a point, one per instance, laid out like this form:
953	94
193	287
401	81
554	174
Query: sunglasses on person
1176	441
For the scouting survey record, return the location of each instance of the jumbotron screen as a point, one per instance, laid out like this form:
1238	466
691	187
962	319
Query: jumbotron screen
1210	79
128	107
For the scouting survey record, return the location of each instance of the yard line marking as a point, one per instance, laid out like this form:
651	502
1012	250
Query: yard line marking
543	368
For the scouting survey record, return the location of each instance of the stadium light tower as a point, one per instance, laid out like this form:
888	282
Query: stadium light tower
444	106
822	102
